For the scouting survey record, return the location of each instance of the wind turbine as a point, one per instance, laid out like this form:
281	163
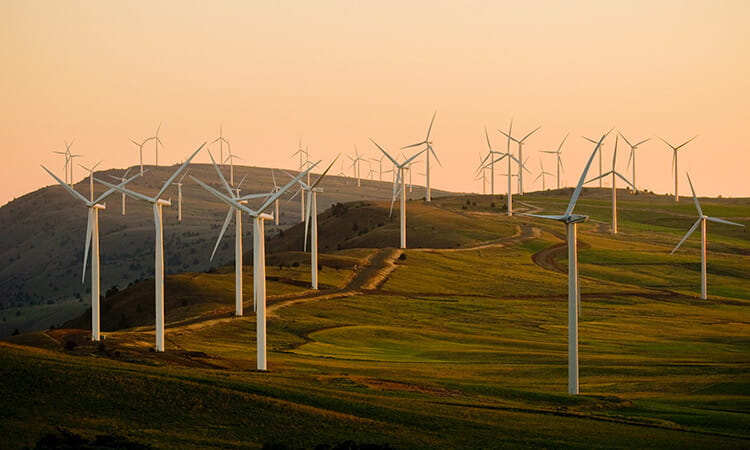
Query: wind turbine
601	169
520	143
380	165
179	196
92	241
356	164
481	171
702	219
542	174
674	163
122	178
510	176
400	178
311	220
235	195
68	162
302	155
157	203
428	146
231	157
259	252
221	140
140	152
574	295
614	174
91	178
157	143
631	158
558	153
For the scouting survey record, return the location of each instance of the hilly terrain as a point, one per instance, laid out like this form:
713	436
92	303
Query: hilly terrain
457	342
43	240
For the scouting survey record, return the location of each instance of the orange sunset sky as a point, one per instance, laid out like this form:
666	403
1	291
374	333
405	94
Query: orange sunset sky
337	72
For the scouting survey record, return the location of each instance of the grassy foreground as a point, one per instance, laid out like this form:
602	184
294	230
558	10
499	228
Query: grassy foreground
462	347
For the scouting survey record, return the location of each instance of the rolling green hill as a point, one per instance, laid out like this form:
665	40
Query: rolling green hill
458	342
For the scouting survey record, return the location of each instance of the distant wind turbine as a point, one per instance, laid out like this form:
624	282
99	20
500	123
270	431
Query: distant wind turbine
631	158
91	178
558	154
92	241
614	174
542	175
601	167
157	203
311	222
221	140
259	252
356	161
303	158
674	163
702	219
179	196
157	143
428	146
520	143
571	220
400	179
140	152
122	178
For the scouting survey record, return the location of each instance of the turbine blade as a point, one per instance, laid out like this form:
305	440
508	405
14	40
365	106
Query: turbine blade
714	219
695	197
559	147
384	152
532	132
489	146
273	177
308	212
642	142
690	231
413	157
325	171
179	169
112	190
89	231
665	141
72	191
625	139
132	194
430	127
543	216
625	180
686	142
414	145
224	227
229	201
429	147
281	191
579	187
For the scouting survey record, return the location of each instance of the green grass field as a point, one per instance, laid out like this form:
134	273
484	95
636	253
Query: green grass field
463	345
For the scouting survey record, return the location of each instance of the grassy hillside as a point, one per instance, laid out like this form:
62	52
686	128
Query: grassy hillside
461	344
42	247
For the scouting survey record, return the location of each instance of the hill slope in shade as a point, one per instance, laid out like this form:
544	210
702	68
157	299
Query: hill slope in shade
43	240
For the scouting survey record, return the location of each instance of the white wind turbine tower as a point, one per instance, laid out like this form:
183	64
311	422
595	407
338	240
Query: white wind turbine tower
179	196
92	241
520	143
542	175
428	146
91	178
614	174
631	158
259	252
121	179
276	202
157	143
574	295
558	154
311	221
140	152
400	179
511	158
157	204
674	163
356	161
702	219
221	140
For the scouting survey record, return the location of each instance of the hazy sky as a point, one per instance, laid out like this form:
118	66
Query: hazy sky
338	72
